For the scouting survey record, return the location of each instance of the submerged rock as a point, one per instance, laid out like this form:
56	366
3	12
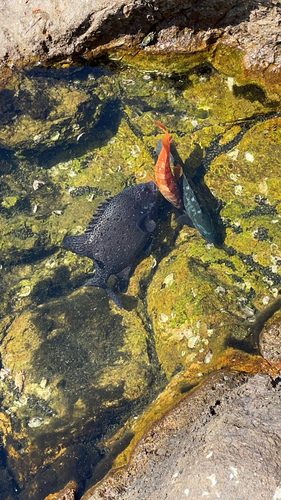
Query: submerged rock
270	342
85	373
68	493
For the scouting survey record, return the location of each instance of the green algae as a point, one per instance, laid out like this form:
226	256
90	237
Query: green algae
228	60
10	201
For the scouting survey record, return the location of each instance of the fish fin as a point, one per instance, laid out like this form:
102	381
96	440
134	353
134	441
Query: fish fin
112	295
145	224
185	220
99	263
150	225
100	277
97	215
148	246
123	279
178	171
77	244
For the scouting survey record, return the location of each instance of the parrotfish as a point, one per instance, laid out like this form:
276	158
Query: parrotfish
196	213
116	235
166	180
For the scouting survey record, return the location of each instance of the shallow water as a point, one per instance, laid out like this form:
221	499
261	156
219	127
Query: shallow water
69	139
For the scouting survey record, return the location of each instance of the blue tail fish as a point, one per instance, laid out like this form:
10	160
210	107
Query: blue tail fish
196	213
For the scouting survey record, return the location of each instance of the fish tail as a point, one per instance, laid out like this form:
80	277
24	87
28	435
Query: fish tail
166	141
161	125
96	281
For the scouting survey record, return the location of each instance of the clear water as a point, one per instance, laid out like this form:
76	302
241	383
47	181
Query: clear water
69	139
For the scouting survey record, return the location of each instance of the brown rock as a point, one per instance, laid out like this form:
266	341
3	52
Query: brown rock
223	441
270	342
38	32
68	493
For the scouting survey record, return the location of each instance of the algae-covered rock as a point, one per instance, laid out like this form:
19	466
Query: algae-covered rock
83	373
199	292
40	111
190	301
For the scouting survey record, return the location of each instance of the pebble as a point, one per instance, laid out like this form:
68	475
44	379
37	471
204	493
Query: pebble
265	300
238	190
192	342
35	422
169	279
25	291
208	357
233	154
249	157
230	83
43	383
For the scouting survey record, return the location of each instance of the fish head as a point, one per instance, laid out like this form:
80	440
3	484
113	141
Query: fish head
145	198
146	193
151	188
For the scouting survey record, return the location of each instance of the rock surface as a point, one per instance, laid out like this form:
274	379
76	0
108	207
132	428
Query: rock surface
270	342
68	493
51	31
222	441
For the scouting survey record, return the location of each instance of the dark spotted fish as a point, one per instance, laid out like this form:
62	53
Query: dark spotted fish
196	213
116	234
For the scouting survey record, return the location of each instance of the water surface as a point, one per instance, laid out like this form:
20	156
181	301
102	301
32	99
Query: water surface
69	139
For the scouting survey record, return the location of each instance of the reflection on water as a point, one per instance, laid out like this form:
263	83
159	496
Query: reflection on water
69	139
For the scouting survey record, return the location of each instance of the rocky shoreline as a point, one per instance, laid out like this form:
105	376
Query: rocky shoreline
223	439
49	32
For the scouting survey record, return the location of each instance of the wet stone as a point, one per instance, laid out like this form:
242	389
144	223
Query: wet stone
270	342
96	367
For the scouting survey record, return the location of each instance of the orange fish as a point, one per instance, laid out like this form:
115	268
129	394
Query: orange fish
166	180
